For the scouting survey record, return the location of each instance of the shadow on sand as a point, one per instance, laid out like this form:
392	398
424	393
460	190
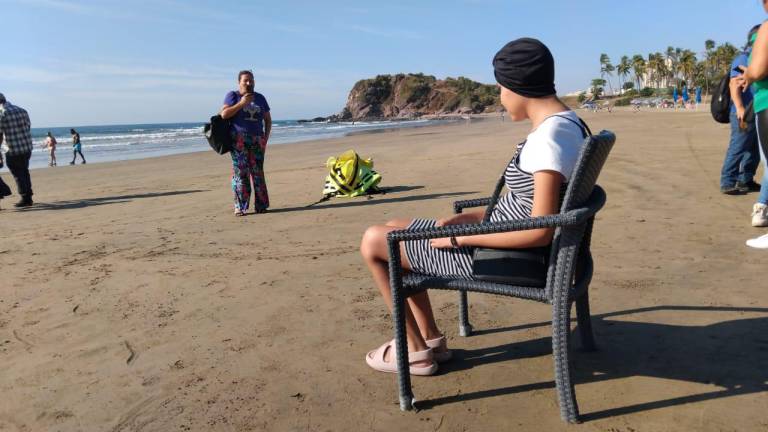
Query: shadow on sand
367	200
731	355
90	202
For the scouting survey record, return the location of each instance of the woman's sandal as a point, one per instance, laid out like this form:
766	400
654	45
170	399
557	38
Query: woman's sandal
376	360
440	350
239	213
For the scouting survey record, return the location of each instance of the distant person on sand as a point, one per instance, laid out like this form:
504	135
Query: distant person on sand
50	145
77	148
542	165
251	126
16	141
756	75
743	155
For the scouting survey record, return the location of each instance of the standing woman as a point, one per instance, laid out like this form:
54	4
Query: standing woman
76	146
251	126
756	74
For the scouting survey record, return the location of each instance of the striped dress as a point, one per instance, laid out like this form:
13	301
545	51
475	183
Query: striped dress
517	203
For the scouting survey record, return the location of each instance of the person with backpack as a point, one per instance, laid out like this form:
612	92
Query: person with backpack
251	126
742	156
756	75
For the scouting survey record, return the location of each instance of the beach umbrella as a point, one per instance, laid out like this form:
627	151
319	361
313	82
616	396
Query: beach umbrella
698	95
674	94
685	94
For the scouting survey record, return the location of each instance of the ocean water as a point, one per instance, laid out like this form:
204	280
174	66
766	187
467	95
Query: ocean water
138	141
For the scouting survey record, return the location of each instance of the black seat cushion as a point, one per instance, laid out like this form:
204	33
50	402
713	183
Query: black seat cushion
521	267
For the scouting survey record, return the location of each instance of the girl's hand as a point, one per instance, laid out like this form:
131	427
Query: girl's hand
441	243
459	219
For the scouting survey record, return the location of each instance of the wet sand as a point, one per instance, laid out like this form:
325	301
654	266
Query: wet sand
131	299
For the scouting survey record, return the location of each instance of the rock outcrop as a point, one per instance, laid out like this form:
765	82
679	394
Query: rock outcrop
404	96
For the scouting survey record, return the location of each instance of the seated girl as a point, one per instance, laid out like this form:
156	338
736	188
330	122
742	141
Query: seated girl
536	178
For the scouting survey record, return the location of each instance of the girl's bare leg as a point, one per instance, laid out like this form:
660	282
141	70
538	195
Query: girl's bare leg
419	320
420	304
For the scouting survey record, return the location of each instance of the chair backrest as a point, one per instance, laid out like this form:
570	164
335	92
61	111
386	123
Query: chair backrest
588	166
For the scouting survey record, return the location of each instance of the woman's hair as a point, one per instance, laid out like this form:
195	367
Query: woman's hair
72	131
244	72
49	133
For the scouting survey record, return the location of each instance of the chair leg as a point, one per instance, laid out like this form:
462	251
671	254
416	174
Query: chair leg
401	351
465	328
561	328
585	323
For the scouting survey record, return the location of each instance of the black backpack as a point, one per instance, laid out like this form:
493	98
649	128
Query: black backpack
721	101
218	135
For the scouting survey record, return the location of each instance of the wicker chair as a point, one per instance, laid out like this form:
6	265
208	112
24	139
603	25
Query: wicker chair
568	276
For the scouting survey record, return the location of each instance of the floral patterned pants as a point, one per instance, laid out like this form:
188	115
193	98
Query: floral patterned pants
248	165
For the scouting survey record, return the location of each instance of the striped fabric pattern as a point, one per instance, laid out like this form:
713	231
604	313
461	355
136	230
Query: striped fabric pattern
428	260
517	203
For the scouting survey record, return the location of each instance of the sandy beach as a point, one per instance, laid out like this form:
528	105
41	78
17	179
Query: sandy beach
131	299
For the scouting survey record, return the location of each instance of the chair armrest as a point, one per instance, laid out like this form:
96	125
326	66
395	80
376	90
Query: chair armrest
458	206
572	217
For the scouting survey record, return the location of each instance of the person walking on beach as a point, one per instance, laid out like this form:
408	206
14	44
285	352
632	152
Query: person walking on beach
76	147
16	140
539	170
743	155
50	145
251	126
756	75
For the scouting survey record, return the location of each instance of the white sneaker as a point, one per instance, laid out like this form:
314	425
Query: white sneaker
759	215
759	243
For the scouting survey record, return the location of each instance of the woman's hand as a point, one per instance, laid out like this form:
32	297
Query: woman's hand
442	243
459	219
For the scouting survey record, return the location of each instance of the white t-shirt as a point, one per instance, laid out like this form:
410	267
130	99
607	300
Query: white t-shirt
554	145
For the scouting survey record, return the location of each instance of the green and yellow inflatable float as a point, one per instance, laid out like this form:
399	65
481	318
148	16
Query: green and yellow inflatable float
349	176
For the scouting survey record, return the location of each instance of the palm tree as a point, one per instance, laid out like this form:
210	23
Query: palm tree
597	87
687	64
622	70
657	67
709	46
723	56
606	68
672	61
639	68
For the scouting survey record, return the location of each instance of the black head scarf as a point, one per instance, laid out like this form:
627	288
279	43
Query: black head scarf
526	67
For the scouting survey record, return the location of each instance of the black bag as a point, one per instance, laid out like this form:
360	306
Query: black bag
721	101
4	189
217	132
524	267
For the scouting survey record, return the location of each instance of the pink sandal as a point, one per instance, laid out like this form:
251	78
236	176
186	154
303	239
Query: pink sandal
440	350
375	360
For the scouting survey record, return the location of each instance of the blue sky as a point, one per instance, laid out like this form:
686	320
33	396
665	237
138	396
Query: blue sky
73	62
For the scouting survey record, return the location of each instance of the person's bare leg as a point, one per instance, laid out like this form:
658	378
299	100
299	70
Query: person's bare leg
420	305
375	252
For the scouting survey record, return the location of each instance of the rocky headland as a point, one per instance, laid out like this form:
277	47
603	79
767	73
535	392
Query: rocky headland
409	96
